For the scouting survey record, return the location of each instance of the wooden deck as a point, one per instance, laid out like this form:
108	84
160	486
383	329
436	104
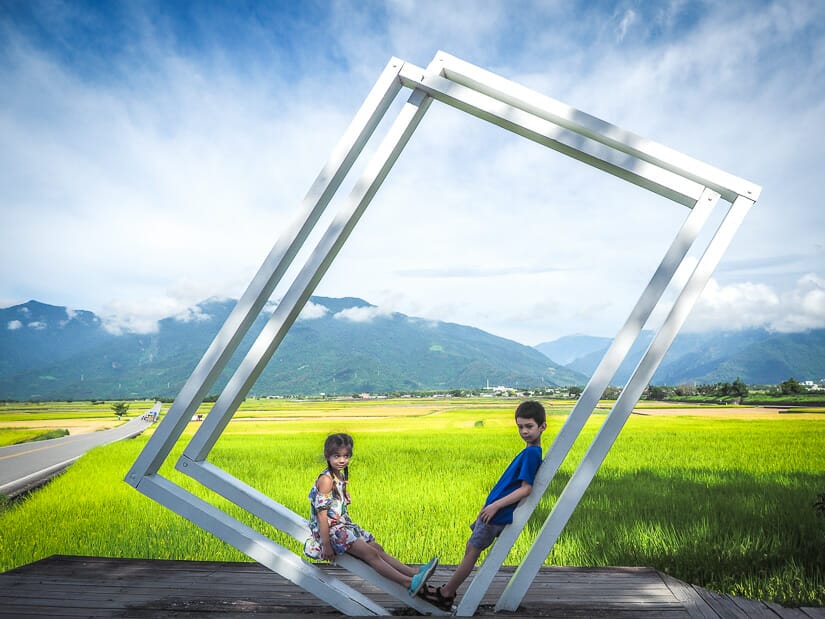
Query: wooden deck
70	586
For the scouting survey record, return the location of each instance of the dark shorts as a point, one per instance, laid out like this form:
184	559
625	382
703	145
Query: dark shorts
484	533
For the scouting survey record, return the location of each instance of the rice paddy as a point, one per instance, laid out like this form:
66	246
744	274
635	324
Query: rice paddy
717	500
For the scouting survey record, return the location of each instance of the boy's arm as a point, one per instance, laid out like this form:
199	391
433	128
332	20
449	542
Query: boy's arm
515	496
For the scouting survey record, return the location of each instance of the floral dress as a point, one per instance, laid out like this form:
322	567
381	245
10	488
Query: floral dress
343	532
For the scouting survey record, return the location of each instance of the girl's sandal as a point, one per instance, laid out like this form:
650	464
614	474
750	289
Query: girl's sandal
434	596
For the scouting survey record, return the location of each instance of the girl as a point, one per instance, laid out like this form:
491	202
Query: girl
333	532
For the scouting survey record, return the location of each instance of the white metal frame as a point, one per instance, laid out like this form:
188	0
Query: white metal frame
511	106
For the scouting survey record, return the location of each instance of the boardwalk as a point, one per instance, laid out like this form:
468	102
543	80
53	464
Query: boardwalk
68	586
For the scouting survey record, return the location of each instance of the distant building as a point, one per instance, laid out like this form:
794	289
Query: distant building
501	390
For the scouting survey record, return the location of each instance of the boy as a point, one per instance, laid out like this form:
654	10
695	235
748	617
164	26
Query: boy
514	484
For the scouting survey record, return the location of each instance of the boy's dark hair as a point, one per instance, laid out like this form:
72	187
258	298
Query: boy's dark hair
530	409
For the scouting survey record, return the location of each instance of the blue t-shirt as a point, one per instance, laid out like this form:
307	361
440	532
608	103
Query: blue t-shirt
522	468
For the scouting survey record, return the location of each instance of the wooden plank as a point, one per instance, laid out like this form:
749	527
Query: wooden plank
9	610
788	613
723	606
582	613
693	603
753	608
66	586
125	595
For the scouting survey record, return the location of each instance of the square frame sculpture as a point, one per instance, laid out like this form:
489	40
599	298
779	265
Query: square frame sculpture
511	106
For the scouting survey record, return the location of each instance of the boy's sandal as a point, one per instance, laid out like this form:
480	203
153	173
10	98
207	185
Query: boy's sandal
434	596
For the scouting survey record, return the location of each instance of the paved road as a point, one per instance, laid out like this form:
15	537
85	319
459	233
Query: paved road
29	464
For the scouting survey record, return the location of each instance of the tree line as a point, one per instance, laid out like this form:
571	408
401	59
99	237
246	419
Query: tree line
736	390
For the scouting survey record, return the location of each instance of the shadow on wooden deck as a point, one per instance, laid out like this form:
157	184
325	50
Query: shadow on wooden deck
70	586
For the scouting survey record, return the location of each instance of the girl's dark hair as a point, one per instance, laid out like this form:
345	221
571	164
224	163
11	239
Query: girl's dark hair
333	443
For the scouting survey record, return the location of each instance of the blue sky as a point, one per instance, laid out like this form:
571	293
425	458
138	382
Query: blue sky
151	152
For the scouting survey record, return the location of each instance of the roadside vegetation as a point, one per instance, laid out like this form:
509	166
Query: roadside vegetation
22	422
733	505
788	393
42	411
16	437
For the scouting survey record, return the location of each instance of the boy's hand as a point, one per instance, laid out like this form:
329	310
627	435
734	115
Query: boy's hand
488	512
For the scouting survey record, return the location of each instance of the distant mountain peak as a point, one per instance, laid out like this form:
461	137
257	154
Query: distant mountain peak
220	307
34	315
33	303
338	305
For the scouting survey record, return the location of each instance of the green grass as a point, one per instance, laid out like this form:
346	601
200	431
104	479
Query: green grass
13	436
726	504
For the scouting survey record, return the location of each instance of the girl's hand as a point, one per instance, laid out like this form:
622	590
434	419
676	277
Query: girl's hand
487	513
327	552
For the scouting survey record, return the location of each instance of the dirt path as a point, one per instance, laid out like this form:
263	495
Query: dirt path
83	426
751	412
74	426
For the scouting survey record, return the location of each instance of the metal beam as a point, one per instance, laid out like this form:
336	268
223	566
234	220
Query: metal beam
266	552
659	180
523	98
588	400
577	485
280	257
514	108
310	275
284	519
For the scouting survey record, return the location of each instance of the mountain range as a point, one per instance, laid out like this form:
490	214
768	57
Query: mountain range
346	345
339	346
756	356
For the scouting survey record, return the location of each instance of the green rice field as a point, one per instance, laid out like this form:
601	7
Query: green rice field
723	501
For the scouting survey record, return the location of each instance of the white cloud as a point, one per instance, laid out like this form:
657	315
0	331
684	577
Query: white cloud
166	178
428	324
142	316
628	19
118	324
362	314
311	311
37	325
14	325
805	306
189	167
752	305
192	314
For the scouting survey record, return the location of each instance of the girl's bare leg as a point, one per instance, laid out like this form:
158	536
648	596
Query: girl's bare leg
372	556
401	567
